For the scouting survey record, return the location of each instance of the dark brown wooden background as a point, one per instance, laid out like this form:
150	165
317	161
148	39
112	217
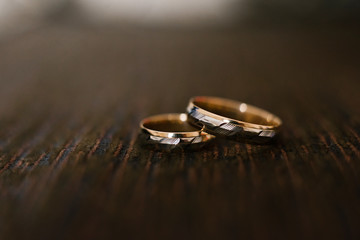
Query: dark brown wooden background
71	98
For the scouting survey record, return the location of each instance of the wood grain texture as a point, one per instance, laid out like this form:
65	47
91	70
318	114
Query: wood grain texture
71	98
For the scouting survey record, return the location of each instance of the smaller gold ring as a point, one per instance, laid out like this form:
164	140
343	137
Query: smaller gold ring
173	130
233	119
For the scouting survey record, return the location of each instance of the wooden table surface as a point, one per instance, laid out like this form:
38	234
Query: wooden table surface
71	98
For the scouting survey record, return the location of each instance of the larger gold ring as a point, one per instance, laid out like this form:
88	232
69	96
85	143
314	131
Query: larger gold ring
233	119
172	131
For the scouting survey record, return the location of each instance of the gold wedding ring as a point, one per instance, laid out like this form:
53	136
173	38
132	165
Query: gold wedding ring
233	119
172	131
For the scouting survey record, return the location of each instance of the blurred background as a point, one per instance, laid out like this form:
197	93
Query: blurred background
19	15
45	44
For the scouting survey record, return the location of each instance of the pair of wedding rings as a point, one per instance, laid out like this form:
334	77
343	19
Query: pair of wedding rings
210	117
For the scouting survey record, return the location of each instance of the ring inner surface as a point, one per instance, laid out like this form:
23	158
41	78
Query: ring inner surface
235	113
170	126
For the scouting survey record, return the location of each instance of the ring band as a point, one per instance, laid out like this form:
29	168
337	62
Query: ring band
233	119
173	130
